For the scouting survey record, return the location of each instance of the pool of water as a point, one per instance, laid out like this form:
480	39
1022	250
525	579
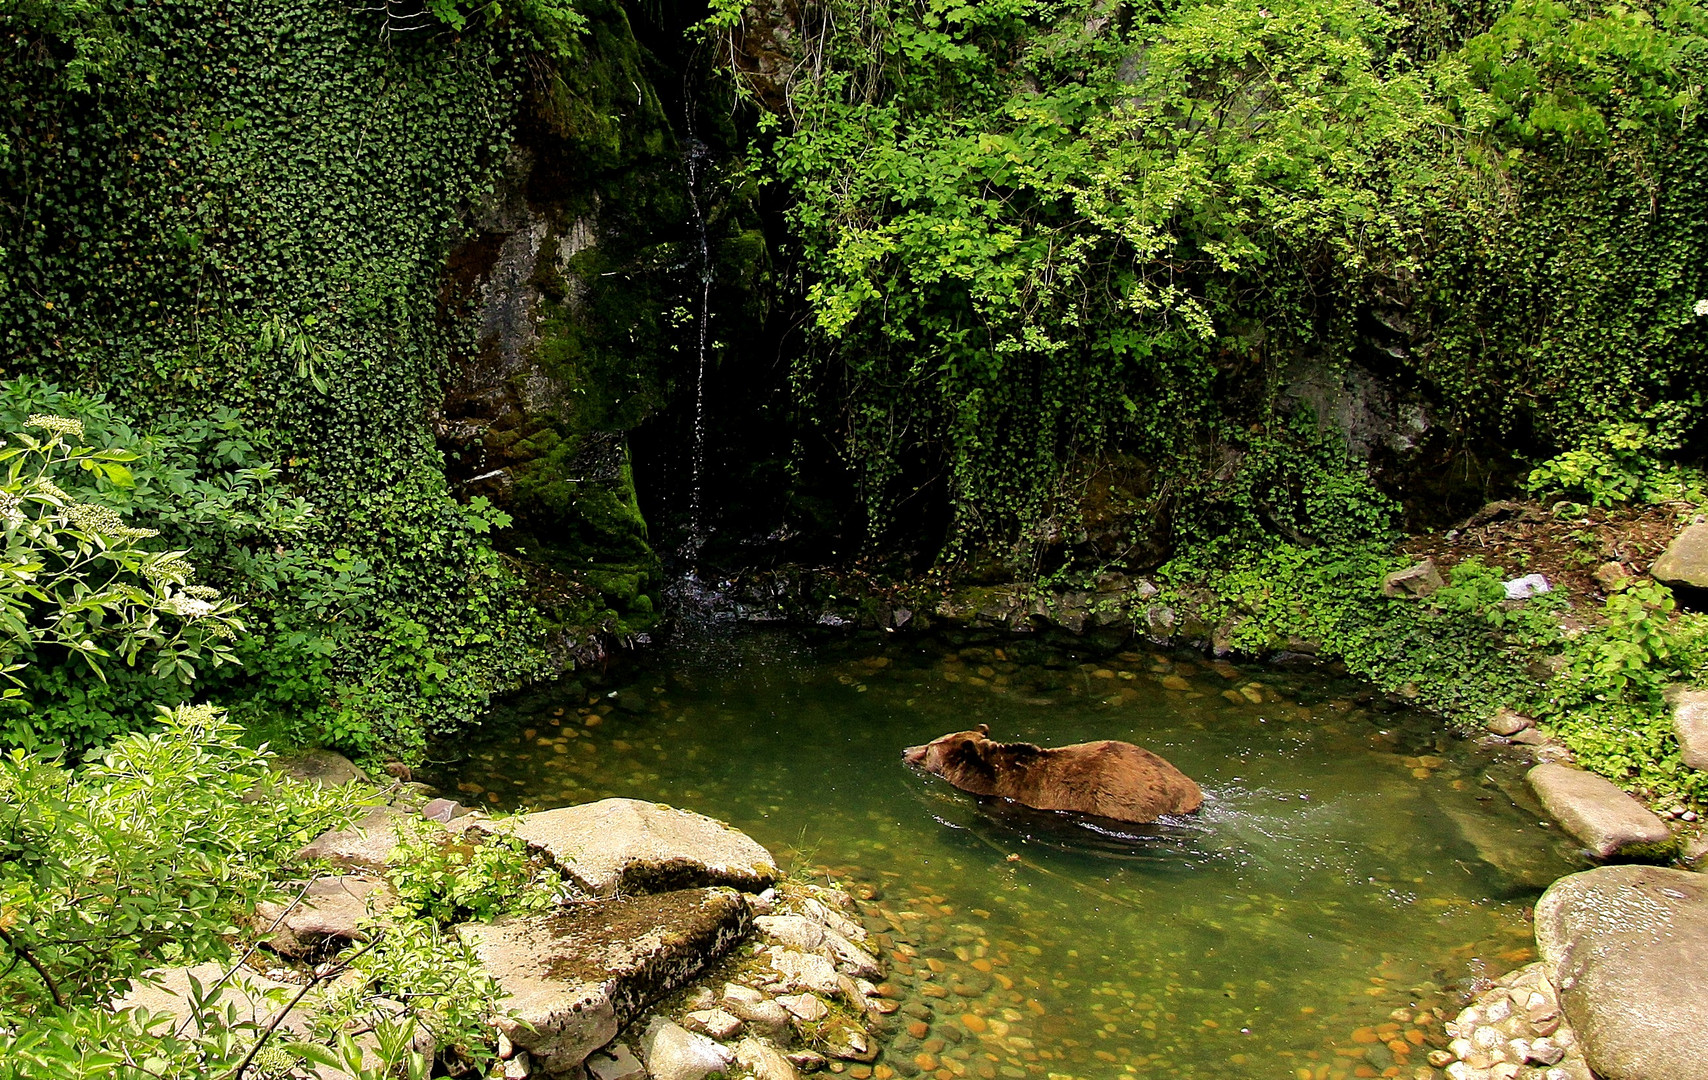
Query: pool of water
1351	871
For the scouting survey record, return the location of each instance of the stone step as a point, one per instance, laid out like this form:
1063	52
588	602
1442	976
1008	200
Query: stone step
1605	820
576	976
627	845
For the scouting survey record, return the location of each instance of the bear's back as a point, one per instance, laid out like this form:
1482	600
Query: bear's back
1108	778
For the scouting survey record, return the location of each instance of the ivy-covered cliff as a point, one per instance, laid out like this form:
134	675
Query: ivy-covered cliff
420	272
436	306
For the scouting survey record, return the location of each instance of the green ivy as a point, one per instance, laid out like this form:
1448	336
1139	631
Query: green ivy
253	211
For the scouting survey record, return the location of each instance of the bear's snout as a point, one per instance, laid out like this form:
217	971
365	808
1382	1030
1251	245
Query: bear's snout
914	755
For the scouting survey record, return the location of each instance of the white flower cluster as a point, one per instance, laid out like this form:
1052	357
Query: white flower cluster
1701	307
10	511
103	520
186	606
56	425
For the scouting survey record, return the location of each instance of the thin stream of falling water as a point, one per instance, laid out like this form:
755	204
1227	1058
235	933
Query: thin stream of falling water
696	151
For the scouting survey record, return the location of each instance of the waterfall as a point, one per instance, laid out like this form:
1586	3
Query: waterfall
695	156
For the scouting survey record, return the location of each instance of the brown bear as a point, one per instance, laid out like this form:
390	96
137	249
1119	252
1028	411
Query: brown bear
1107	778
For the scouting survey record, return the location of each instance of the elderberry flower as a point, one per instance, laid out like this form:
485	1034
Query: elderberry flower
186	606
57	425
201	592
9	509
104	521
1701	307
44	486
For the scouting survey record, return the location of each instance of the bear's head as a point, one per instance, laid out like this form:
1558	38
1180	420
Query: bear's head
947	752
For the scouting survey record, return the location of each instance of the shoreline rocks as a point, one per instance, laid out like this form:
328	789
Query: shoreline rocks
1627	948
576	976
626	845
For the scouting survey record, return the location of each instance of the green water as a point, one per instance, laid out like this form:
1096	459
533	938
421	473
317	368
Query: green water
1351	870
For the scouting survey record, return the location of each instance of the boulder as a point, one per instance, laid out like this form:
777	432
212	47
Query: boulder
795	930
257	1000
1609	574
714	1022
755	1008
806	1008
1690	724
765	1061
1602	818
812	935
1508	723
1627	948
576	976
1419	580
1685	560
367	843
443	810
331	910
675	1053
328	768
834	920
632	846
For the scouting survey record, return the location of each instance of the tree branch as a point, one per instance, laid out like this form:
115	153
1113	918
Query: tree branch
29	958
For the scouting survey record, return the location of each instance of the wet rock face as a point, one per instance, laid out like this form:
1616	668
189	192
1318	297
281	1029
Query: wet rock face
577	976
766	47
523	425
628	845
1627	948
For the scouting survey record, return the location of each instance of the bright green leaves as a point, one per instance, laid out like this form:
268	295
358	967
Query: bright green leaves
1617	463
556	24
77	583
1024	251
142	857
1554	71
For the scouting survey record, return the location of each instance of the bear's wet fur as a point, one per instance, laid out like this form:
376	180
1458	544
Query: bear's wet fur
1106	778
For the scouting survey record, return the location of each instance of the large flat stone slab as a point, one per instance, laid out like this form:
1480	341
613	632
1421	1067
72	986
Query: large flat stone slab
257	998
576	976
330	911
1602	818
626	845
1690	724
1627	948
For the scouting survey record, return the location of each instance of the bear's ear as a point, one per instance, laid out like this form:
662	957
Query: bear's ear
984	729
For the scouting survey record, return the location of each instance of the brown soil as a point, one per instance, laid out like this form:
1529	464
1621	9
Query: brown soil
1526	538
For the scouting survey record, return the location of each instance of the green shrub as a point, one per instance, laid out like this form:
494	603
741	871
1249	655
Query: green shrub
149	855
455	879
81	594
1615	464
